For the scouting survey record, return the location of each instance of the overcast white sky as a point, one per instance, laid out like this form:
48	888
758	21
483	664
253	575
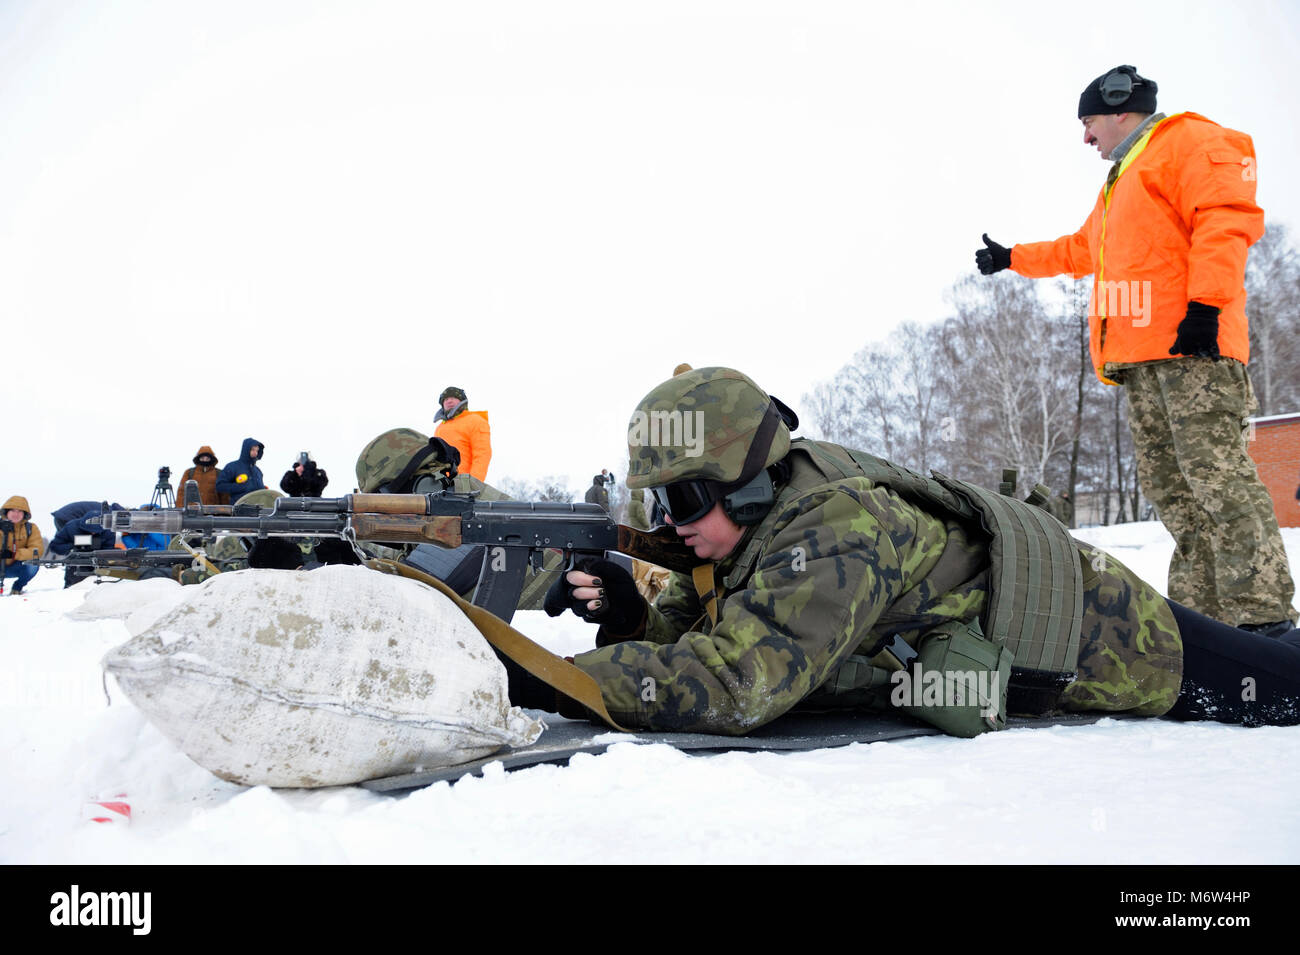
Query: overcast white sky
300	221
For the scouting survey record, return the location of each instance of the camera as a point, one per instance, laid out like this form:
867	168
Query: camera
164	473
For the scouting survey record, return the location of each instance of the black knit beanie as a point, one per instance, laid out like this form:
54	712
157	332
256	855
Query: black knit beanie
1120	90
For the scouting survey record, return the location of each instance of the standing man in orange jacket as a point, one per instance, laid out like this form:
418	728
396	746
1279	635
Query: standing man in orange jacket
1166	245
467	431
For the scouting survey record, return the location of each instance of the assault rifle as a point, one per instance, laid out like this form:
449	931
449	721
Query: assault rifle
510	535
122	563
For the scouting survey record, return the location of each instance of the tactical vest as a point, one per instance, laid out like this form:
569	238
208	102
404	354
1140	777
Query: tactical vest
1035	601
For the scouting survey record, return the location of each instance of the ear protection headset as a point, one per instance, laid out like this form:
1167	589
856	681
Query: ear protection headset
1117	85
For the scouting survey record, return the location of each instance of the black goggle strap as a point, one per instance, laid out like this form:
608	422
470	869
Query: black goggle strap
756	457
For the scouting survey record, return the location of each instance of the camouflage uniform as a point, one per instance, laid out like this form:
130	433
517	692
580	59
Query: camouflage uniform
1188	418
872	565
837	564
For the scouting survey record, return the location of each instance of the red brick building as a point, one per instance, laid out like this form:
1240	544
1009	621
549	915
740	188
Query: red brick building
1275	446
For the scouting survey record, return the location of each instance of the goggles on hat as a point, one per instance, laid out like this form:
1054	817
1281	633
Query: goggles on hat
685	502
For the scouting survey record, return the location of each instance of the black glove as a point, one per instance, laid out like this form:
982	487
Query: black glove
1198	332
620	610
9	555
332	551
275	553
993	259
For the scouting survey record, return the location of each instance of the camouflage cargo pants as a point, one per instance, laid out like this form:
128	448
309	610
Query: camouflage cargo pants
1188	420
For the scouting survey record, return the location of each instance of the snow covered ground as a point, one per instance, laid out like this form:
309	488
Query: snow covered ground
1144	791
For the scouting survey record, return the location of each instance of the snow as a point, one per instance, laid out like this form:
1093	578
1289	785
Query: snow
1118	791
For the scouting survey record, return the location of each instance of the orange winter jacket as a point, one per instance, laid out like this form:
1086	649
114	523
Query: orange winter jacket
1173	227
468	433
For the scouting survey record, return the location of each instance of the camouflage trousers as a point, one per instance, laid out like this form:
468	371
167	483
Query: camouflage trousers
1188	419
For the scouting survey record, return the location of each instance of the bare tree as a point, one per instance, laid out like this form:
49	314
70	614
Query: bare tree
1273	307
917	394
1007	359
547	488
1076	315
857	407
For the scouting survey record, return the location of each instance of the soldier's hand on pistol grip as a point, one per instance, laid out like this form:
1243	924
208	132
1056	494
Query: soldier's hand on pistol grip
599	591
995	258
1198	332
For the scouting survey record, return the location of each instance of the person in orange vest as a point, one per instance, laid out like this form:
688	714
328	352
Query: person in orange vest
1166	245
467	431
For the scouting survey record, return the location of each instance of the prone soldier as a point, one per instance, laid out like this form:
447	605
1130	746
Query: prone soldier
826	573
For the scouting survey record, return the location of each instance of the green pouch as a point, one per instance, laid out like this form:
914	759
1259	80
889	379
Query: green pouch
857	684
958	683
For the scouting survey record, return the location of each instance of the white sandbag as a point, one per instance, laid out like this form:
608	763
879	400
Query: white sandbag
320	678
110	598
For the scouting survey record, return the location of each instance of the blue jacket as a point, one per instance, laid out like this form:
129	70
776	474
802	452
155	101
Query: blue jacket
66	537
146	541
228	480
70	512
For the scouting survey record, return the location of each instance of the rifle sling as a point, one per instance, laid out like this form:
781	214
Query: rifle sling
554	671
707	590
199	557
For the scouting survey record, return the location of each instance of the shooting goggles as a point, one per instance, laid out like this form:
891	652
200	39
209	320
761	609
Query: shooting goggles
684	502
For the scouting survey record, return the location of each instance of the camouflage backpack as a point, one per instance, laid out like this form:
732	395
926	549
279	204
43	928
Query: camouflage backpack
404	461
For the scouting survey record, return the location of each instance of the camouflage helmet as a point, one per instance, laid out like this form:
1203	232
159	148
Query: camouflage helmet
383	462
708	424
385	456
262	497
451	391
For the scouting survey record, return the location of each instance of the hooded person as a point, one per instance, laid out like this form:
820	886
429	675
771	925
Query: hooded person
204	473
242	476
597	494
65	539
829	577
78	509
467	431
20	542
